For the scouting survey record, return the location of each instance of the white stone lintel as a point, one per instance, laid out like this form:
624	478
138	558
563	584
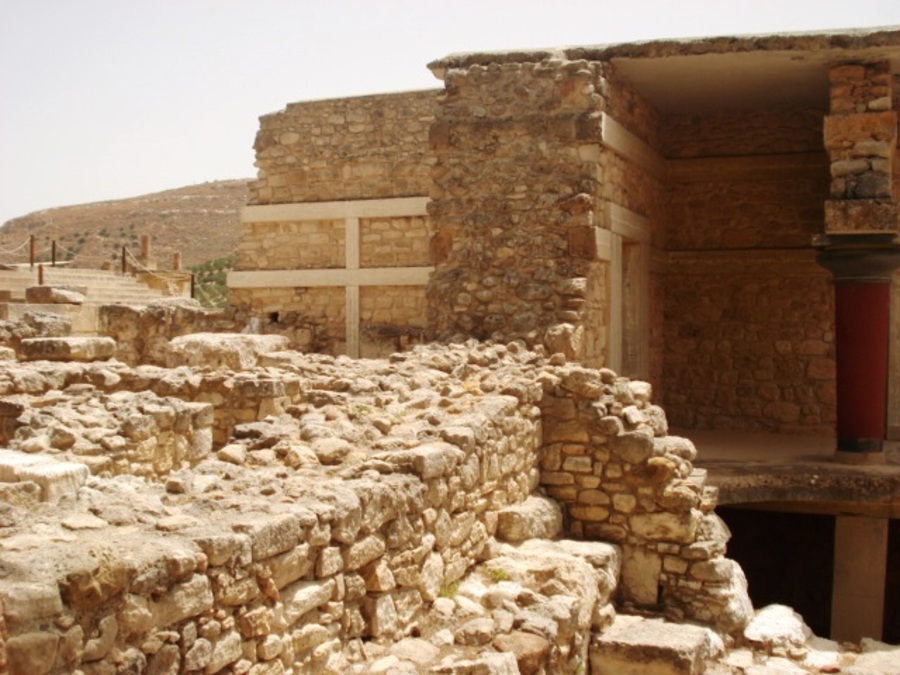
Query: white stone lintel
358	208
621	141
377	276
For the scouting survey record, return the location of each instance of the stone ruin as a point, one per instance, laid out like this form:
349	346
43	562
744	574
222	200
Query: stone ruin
182	495
465	508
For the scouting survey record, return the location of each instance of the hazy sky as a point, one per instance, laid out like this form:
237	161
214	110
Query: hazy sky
101	99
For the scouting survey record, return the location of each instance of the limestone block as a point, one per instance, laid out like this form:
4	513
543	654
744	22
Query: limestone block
641	568
54	478
530	650
182	601
860	216
226	649
234	351
303	596
381	615
535	518
24	603
52	295
501	663
777	626
634	646
664	526
67	349
31	653
270	535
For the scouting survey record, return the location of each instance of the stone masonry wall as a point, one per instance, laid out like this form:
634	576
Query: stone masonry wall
351	148
394	242
361	148
514	201
748	315
391	319
309	244
342	520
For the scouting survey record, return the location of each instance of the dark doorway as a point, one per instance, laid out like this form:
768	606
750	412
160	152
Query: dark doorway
788	559
892	586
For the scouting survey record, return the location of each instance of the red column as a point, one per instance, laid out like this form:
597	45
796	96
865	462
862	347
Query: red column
862	294
862	329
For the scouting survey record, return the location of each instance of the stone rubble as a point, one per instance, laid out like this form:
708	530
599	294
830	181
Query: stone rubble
470	508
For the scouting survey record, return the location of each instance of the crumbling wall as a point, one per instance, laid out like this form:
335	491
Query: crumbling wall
344	518
608	459
749	336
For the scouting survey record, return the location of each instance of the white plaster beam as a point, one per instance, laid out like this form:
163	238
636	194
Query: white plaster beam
376	276
621	141
360	208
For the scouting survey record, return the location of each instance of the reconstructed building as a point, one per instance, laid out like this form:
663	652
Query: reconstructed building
716	216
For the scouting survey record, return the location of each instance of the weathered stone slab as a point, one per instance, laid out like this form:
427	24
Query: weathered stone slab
55	295
235	351
535	518
68	349
638	646
54	478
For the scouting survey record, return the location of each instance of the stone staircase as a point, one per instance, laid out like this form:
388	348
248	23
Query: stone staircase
103	287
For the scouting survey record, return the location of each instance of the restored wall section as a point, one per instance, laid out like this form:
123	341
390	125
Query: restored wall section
748	315
349	148
339	158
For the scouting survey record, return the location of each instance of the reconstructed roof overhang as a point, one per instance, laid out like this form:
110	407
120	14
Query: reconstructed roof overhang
741	72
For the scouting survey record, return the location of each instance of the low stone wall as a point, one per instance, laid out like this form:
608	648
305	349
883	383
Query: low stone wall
236	398
343	518
123	433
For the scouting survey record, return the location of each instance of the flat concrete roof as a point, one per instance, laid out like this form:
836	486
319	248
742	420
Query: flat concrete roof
734	72
795	473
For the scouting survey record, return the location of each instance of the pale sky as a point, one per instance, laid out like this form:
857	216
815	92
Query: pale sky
103	99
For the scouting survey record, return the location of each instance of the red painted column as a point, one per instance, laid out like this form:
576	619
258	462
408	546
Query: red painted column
862	294
862	329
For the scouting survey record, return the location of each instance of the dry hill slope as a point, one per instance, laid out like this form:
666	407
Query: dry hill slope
202	221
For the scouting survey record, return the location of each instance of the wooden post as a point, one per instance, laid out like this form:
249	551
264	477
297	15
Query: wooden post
31	250
192	285
53	253
176	261
145	250
40	275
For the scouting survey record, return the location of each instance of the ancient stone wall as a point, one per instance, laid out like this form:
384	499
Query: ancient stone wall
312	244
749	340
394	242
350	148
348	517
513	201
339	158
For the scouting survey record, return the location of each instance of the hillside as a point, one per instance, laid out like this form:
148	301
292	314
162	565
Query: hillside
202	221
